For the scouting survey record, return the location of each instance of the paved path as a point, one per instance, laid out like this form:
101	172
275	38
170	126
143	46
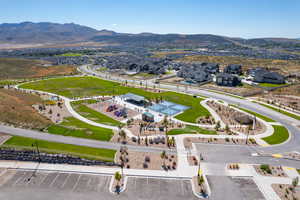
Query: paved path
76	141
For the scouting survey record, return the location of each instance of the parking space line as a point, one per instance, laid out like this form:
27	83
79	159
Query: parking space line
54	179
75	185
66	179
20	178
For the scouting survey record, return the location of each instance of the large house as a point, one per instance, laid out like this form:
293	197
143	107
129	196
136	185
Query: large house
233	69
261	75
212	68
224	79
194	74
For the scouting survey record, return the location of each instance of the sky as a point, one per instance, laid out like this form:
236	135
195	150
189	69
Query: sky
234	18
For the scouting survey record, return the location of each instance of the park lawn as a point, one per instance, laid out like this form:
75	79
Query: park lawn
71	54
267	119
271	85
94	115
76	128
280	135
92	86
191	130
54	147
281	111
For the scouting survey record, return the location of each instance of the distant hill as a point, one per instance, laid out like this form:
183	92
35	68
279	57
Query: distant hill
47	32
28	32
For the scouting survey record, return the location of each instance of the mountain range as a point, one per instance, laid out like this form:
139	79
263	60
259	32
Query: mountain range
46	32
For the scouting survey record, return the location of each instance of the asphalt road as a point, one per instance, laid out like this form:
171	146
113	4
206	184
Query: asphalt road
220	154
76	141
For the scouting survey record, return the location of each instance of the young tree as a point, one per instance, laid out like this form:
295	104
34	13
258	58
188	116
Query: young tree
122	134
227	129
218	125
118	177
163	157
295	182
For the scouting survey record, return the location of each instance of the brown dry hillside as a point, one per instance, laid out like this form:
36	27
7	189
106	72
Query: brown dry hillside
16	108
13	68
284	66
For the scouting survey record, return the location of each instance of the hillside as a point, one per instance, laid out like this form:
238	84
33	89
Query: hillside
54	33
13	68
28	32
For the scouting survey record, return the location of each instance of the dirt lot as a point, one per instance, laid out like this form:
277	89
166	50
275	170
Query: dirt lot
274	171
151	142
16	108
286	192
283	66
145	160
12	68
189	140
284	101
244	90
56	113
229	115
291	90
151	128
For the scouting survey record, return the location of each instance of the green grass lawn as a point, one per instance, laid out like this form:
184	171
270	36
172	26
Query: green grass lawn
280	135
91	86
71	54
94	115
267	119
281	111
191	130
76	128
54	147
270	85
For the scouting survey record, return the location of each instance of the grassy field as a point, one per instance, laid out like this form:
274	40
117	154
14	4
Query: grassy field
16	109
15	68
191	130
76	128
285	66
54	147
91	86
94	115
281	111
71	54
267	119
271	85
280	135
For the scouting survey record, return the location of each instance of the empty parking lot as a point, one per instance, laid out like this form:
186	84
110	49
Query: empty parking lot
22	185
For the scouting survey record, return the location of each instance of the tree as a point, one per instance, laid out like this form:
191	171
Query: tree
118	177
165	123
200	180
122	134
163	157
295	182
227	129
218	126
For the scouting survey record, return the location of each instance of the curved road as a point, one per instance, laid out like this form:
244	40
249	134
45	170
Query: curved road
77	141
290	123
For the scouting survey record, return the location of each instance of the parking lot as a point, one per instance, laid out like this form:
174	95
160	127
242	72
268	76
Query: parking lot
228	188
22	185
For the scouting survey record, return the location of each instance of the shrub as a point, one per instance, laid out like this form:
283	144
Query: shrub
266	168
